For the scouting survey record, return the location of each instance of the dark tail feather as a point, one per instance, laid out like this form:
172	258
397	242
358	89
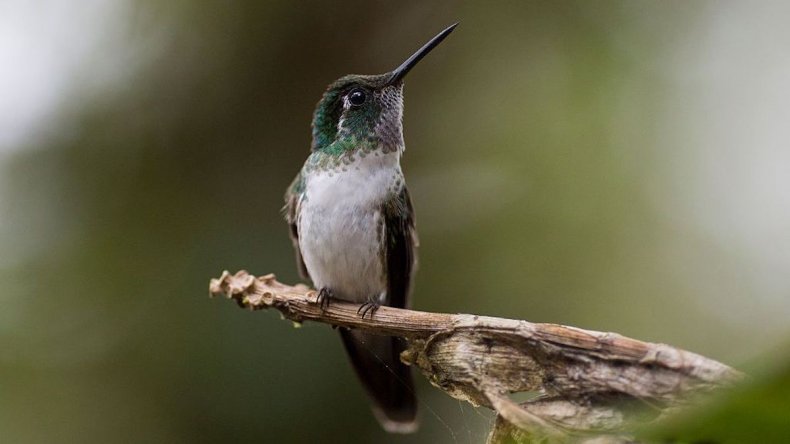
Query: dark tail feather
391	389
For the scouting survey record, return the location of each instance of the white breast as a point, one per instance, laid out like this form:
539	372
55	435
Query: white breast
340	225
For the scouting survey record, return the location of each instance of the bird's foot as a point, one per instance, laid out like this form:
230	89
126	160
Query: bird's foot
324	296
368	307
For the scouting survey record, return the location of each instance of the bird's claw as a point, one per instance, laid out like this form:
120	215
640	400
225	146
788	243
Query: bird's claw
368	307
323	298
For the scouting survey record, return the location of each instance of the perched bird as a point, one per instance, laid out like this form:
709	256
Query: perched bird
352	223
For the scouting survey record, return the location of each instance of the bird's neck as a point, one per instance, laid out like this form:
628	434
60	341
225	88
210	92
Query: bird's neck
355	179
359	153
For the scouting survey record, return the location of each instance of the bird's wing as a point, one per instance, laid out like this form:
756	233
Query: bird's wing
376	359
399	247
293	198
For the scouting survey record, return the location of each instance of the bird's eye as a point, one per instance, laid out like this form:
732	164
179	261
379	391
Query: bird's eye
357	97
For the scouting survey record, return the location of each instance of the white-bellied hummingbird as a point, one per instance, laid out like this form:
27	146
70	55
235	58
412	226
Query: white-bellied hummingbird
352	223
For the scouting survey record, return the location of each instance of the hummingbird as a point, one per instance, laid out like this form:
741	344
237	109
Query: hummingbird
352	224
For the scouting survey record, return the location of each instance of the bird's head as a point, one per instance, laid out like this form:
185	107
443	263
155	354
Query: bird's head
366	109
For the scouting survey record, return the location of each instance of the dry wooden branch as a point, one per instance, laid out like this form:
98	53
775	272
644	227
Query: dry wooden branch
584	381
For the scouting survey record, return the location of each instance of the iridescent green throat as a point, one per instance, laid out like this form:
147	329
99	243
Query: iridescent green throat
340	154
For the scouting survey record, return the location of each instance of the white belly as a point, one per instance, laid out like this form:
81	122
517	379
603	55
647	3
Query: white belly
341	229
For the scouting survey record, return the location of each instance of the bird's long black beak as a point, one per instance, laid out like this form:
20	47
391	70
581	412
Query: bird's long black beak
400	72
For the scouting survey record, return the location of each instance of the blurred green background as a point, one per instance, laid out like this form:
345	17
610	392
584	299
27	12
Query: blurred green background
620	166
